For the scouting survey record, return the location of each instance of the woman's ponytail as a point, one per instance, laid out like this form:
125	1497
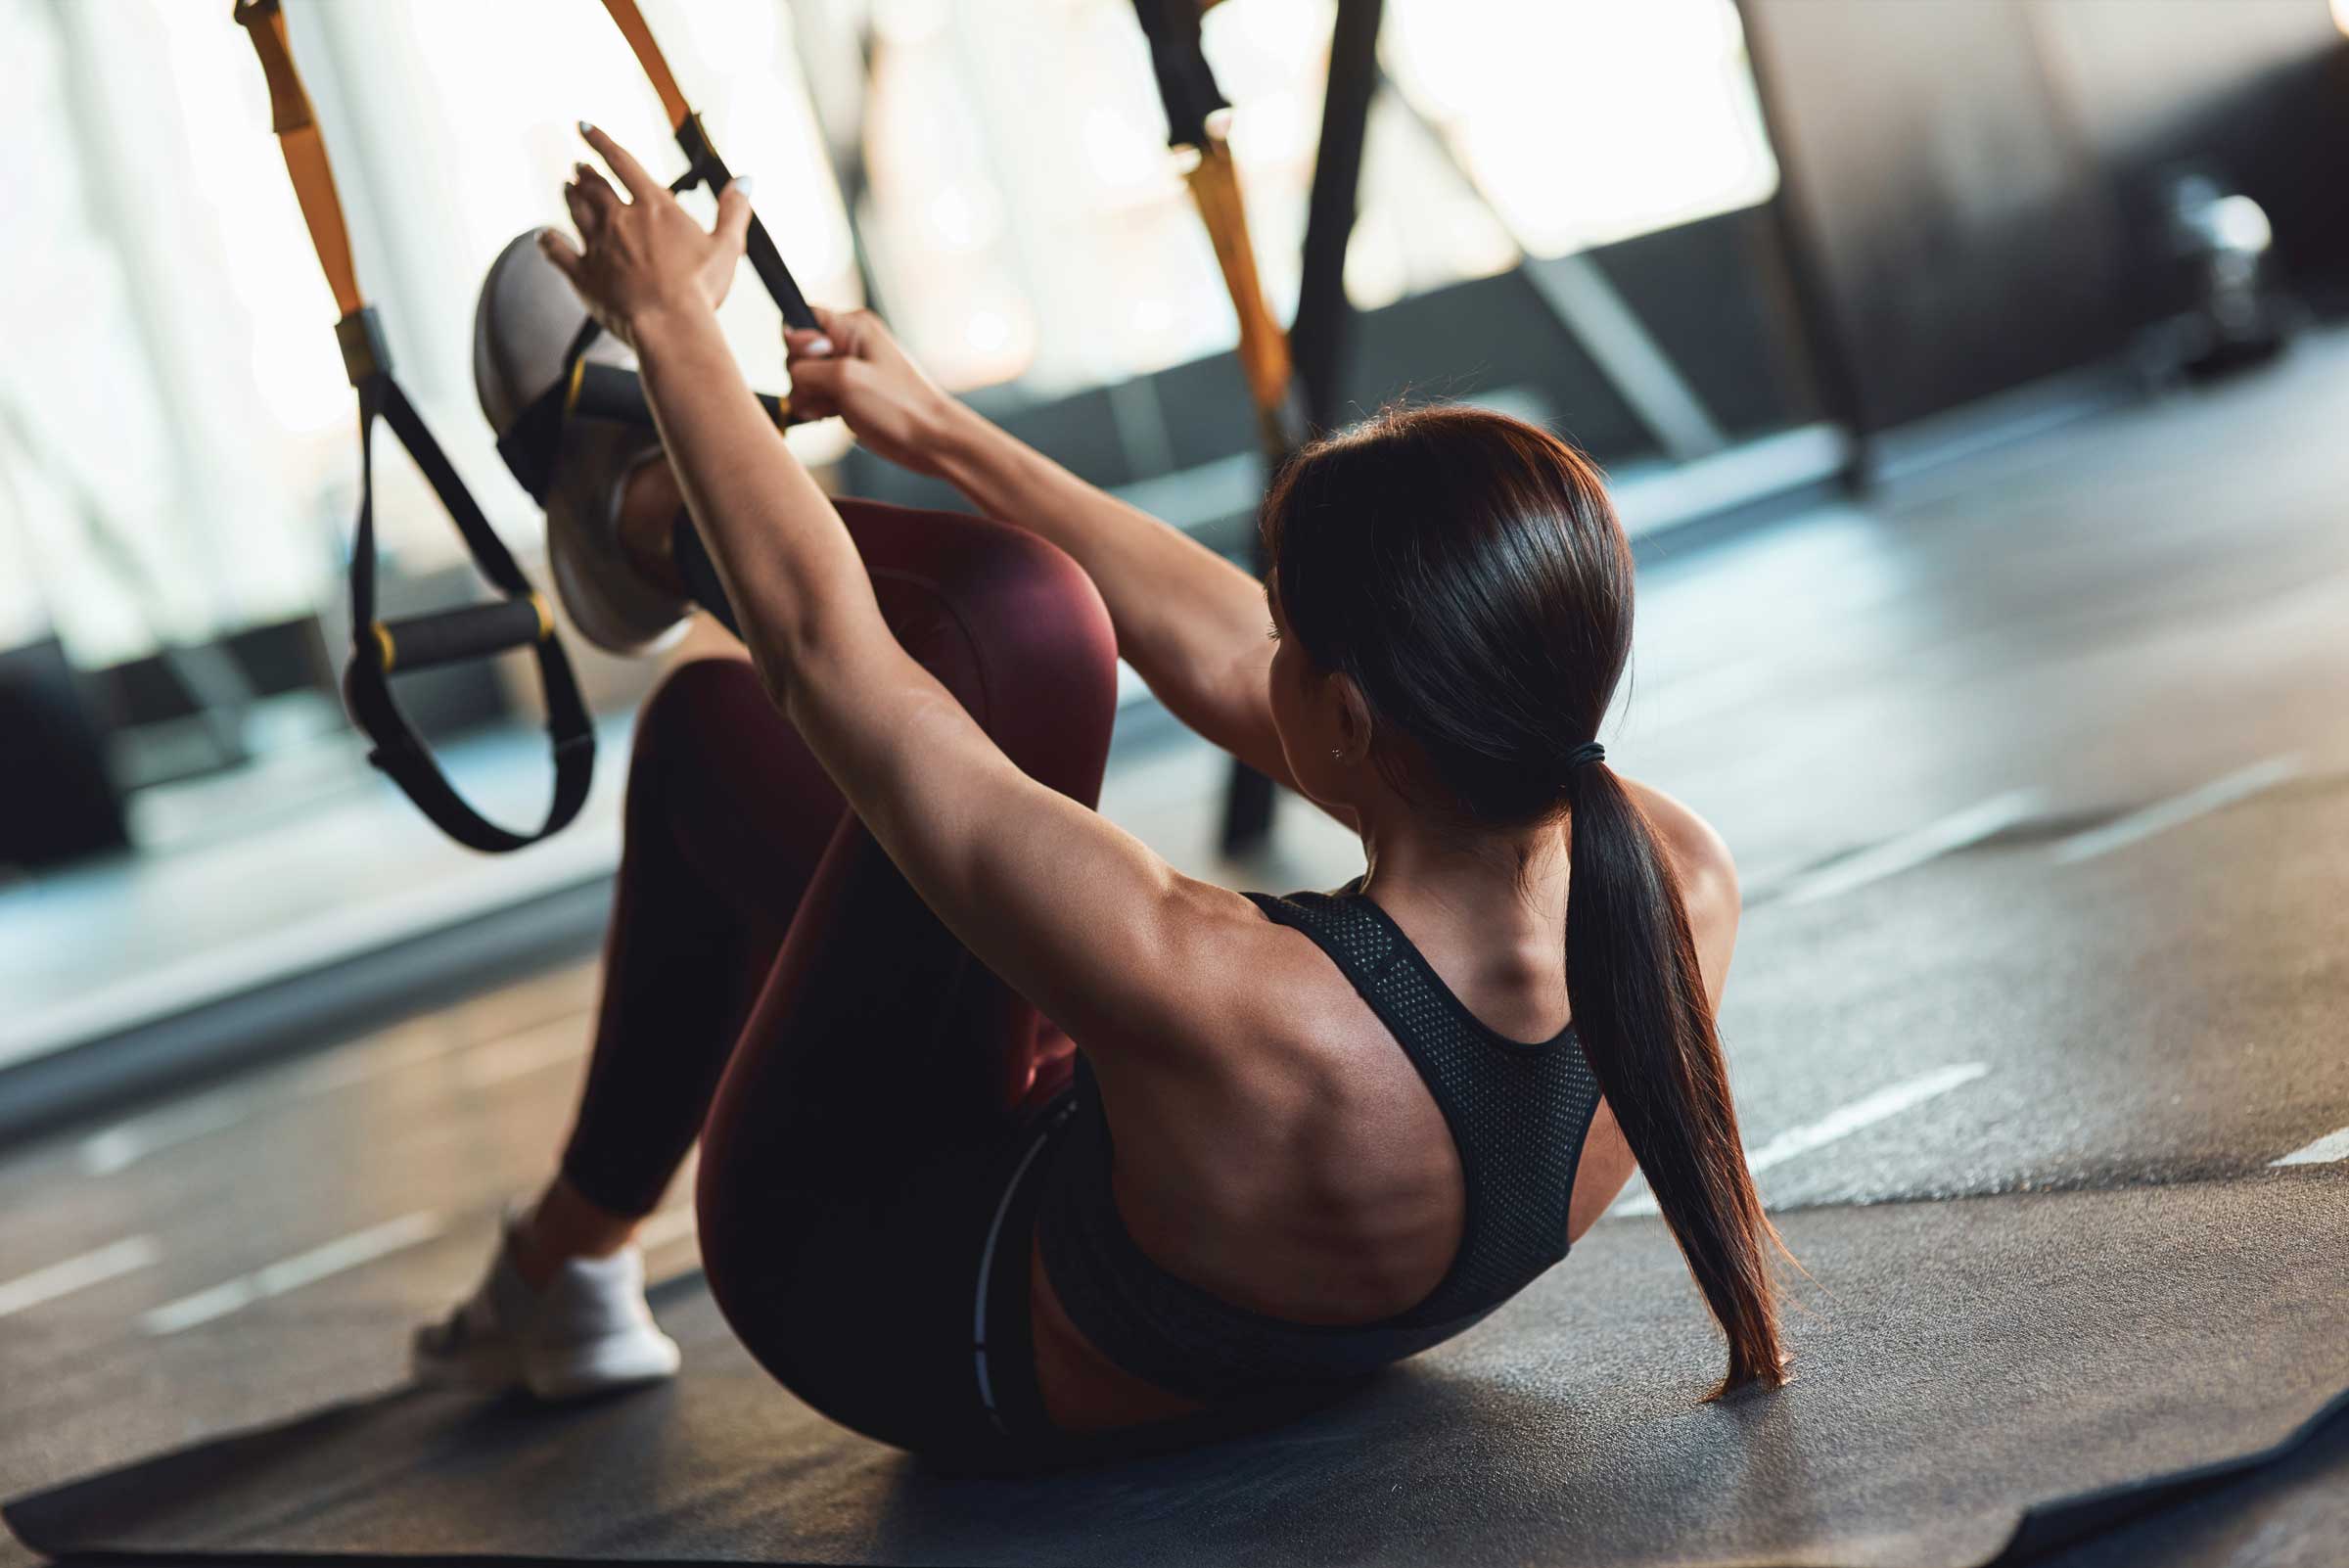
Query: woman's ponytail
1639	1006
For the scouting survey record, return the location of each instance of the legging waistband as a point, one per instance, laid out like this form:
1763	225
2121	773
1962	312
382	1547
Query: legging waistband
1002	1337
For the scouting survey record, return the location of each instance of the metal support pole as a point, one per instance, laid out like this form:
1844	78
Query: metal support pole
1317	336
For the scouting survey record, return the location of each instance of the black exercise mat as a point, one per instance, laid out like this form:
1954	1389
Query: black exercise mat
1972	1358
2279	1508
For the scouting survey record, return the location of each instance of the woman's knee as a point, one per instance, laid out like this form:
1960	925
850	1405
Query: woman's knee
1047	658
1034	596
1006	618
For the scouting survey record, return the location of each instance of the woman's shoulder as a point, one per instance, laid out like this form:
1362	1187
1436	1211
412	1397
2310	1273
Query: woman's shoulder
1699	853
1240	972
1707	872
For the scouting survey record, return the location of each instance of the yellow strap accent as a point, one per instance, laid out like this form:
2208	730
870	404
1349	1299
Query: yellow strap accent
648	55
571	393
297	129
383	647
546	618
1214	183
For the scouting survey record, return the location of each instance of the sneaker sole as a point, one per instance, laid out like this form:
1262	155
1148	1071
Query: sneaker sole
626	1363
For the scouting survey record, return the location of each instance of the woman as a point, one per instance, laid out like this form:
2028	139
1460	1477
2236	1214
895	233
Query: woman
882	955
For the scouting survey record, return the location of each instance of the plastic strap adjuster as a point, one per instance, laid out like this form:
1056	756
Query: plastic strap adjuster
366	351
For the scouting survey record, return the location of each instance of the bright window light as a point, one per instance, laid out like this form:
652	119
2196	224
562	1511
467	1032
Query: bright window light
1523	126
1585	121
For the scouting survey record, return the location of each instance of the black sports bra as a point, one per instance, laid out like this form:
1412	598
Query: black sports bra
1518	1113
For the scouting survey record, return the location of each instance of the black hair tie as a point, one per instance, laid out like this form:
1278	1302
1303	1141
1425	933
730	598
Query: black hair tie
1588	752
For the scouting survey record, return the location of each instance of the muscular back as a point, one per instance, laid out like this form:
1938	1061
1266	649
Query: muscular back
1285	1155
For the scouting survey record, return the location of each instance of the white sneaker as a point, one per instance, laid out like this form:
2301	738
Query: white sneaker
523	322
587	1331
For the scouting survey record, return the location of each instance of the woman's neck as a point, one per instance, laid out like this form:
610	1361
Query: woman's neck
1495	907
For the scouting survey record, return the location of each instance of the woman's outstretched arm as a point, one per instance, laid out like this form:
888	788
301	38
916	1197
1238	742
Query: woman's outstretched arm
1192	625
1073	911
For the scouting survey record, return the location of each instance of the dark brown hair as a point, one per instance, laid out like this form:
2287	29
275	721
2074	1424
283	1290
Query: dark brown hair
1469	574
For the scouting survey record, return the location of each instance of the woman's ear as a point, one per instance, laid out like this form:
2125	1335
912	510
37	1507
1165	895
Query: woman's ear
1352	714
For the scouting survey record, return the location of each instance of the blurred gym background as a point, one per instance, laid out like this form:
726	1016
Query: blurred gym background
1754	256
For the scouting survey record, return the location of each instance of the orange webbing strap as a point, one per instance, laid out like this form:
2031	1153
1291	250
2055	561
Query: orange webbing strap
705	167
297	129
1195	108
1214	183
631	23
447	636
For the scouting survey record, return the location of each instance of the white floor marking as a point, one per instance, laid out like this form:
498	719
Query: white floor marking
78	1274
1931	842
2163	815
304	1269
125	1143
669	1224
1841	1122
2325	1151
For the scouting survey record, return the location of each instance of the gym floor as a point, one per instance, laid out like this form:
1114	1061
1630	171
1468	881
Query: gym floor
2036	766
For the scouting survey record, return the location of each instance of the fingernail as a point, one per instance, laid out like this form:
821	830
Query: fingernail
819	345
742	183
584	127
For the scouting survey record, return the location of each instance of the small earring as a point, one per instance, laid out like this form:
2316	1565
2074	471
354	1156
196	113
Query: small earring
1337	751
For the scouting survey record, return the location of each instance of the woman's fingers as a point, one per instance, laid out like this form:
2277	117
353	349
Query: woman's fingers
562	253
734	228
838	330
584	215
805	343
640	185
847	330
595	187
811	406
816	386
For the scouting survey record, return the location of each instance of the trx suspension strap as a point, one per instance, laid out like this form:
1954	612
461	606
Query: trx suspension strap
382	648
590	390
705	166
1192	100
1194	108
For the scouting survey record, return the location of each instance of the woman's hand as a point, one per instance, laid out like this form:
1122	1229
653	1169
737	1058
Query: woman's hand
645	256
853	368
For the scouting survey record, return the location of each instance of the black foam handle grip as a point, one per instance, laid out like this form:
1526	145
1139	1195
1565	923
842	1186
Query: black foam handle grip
455	636
615	392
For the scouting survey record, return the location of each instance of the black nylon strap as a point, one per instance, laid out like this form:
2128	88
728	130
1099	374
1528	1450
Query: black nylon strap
1186	85
366	686
529	444
366	683
705	167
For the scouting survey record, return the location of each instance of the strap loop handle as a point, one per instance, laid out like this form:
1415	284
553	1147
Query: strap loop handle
453	636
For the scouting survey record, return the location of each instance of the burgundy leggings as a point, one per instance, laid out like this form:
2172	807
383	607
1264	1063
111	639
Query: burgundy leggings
862	1086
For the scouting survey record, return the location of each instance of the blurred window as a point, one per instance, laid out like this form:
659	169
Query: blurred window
176	453
1025	219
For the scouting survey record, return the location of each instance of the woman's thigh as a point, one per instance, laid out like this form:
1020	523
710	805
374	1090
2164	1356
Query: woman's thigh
851	1166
